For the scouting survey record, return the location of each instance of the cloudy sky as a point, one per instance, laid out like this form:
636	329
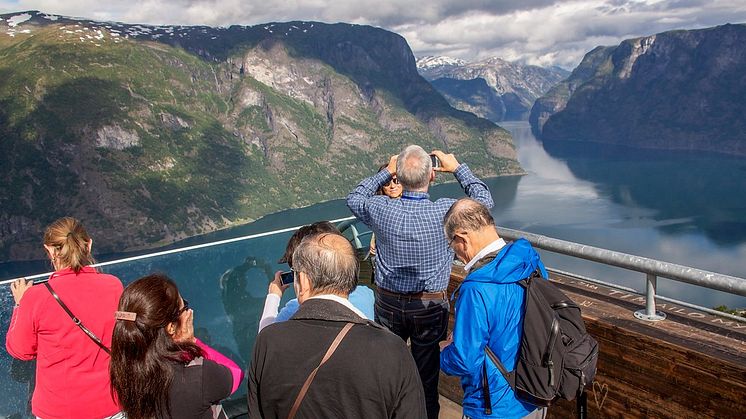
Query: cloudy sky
542	32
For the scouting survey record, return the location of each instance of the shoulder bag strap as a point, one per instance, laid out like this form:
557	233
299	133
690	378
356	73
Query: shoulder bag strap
311	376
76	320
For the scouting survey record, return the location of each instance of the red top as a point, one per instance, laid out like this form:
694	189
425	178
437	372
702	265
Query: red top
72	371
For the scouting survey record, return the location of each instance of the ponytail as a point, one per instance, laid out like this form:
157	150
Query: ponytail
142	352
69	242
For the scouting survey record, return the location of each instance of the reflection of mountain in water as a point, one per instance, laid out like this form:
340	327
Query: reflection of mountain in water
689	192
503	190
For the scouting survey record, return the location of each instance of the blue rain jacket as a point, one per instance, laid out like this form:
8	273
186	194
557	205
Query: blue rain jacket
489	311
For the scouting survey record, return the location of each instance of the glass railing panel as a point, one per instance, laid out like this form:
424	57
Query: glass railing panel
226	285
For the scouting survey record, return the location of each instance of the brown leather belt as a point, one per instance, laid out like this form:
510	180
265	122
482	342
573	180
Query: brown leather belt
438	295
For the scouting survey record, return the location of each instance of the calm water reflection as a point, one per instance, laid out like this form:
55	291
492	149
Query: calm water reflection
682	208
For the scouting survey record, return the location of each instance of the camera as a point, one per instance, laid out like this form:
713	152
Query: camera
435	161
286	278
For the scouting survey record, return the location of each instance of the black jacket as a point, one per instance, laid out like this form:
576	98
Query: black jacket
371	375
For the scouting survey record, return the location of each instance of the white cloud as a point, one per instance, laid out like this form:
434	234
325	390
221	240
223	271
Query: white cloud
543	32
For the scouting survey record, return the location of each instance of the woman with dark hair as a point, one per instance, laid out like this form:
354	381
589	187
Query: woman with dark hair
72	366
158	368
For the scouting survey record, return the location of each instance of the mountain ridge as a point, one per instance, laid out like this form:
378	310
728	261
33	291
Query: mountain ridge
151	134
676	90
514	86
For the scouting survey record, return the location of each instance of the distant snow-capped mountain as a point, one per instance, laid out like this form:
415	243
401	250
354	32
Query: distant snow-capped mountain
515	86
430	63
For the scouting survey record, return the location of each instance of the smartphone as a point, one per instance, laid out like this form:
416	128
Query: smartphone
435	161
286	278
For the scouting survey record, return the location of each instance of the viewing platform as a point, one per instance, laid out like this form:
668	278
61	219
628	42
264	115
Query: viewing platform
688	362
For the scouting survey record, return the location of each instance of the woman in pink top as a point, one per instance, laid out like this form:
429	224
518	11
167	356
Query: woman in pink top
158	368
72	379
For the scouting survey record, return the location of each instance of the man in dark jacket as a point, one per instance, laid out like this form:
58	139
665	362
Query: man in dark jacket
489	310
370	374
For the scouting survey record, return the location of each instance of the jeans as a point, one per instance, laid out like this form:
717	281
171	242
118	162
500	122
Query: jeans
424	323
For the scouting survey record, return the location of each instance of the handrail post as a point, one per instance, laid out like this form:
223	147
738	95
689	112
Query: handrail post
356	237
649	314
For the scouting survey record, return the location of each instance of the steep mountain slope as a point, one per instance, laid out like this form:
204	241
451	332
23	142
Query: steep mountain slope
679	90
514	87
555	100
474	96
152	134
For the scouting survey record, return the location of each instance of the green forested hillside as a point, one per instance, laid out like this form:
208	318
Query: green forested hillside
154	134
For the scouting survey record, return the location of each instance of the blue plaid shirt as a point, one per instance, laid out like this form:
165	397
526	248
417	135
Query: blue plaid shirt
412	254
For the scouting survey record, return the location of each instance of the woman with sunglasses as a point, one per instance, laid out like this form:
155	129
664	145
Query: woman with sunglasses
393	190
72	367
158	368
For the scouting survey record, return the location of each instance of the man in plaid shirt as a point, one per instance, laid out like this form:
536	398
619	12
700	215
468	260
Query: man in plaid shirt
413	259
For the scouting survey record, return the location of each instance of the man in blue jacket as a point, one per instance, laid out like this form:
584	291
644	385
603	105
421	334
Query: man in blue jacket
489	310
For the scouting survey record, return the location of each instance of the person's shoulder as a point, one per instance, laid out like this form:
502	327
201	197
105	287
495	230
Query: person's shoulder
444	202
379	336
35	294
274	330
108	281
361	291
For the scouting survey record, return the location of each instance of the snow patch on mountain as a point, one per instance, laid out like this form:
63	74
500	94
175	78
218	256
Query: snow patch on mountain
18	19
429	61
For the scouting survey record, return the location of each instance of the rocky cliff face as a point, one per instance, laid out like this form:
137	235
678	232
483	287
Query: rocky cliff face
679	90
555	100
152	134
513	87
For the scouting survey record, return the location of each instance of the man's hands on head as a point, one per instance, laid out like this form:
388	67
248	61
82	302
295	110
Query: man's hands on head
448	162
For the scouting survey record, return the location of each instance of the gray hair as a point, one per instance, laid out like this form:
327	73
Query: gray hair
466	214
329	261
413	168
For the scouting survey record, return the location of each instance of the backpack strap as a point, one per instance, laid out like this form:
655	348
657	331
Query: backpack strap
76	320
486	390
509	376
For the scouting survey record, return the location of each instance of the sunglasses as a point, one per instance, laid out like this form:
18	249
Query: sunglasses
394	181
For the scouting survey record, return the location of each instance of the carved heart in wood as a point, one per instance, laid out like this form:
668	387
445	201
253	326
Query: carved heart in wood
600	391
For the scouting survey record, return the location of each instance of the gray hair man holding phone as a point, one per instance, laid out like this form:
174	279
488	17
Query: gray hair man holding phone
360	369
413	259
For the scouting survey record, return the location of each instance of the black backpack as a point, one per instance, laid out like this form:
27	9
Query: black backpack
557	357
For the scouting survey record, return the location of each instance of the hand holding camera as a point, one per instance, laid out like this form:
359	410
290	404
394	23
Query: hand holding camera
448	162
278	284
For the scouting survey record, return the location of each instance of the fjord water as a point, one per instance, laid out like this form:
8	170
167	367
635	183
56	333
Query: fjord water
677	207
681	208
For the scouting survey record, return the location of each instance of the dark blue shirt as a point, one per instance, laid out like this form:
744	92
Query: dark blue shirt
412	253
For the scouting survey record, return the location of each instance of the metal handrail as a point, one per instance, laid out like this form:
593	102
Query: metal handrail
650	267
694	276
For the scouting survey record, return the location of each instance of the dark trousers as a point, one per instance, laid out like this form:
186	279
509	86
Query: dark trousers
424	323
